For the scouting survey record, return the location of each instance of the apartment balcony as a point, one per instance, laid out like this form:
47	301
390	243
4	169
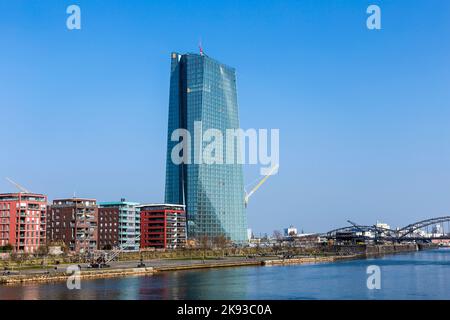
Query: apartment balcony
124	234
85	225
156	221
150	230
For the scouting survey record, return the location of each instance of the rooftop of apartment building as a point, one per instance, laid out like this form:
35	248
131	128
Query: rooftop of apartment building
75	202
23	196
120	203
162	206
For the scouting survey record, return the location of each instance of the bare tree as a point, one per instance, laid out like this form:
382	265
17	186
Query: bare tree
204	243
277	235
42	251
221	242
258	248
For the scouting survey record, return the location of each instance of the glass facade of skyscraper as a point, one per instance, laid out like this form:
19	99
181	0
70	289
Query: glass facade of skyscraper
202	89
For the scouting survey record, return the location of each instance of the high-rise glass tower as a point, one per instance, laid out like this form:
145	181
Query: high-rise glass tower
204	90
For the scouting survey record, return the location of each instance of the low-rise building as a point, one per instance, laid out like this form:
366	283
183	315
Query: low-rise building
163	226
23	221
290	232
249	234
382	225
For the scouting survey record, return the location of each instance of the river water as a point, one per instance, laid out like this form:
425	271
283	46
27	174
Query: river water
417	275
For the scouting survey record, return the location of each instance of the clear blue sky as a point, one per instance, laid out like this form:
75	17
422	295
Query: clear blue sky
364	116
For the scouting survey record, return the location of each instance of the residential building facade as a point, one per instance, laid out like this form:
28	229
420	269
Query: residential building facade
74	221
127	231
108	228
163	226
23	221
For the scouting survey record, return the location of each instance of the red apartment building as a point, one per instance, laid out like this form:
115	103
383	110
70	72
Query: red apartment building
23	221
163	226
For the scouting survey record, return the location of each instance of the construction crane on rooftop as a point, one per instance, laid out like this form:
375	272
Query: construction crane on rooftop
18	186
260	183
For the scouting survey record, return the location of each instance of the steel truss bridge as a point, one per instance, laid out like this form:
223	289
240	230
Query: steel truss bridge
418	231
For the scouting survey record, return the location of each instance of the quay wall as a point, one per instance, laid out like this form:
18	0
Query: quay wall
62	276
372	249
304	260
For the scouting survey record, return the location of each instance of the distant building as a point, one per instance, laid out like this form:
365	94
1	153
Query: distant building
249	234
23	220
119	225
380	225
290	232
383	225
163	226
74	221
437	230
306	239
442	242
420	233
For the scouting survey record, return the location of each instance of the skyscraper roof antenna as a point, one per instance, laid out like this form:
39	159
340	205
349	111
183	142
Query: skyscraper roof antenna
200	47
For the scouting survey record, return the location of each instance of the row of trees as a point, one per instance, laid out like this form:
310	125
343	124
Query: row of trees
41	250
218	242
277	235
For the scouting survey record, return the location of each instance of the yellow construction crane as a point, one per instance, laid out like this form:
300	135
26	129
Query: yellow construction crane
18	186
260	183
